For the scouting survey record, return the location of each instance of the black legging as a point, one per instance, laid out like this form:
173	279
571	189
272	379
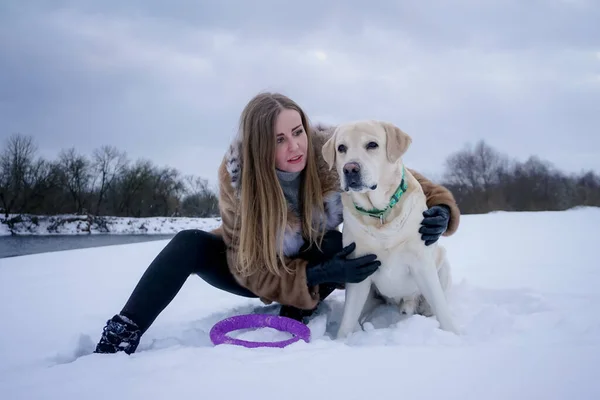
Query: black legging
195	251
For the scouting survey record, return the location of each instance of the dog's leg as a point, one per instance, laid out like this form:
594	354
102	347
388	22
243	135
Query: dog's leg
443	267
356	297
372	302
428	282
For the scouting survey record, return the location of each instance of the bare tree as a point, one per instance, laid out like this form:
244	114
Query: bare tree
474	172
41	179
107	163
588	189
76	177
50	197
16	164
199	200
168	188
537	185
130	191
195	184
478	168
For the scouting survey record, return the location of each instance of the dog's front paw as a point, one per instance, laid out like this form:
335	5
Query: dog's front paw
342	334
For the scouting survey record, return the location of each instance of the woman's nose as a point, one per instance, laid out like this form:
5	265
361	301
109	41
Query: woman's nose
293	144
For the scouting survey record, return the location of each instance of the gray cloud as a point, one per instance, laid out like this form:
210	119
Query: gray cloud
167	81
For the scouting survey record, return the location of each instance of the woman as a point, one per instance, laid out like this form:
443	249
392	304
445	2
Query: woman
280	208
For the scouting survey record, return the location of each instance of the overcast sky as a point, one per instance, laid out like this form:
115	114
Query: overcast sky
166	80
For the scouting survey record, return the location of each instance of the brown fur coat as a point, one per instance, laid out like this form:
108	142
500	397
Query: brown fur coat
291	289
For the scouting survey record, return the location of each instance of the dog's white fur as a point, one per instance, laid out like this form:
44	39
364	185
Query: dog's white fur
412	275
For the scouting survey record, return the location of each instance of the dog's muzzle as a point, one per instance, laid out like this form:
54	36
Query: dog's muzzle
352	175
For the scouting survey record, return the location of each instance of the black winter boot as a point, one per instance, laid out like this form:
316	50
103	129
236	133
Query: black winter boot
304	315
119	334
295	313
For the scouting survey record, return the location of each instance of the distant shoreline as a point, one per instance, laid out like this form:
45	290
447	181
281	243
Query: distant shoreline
72	224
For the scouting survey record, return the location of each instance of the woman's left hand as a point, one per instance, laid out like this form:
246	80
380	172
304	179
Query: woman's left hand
435	223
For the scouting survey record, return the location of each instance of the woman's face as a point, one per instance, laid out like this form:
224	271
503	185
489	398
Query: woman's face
290	149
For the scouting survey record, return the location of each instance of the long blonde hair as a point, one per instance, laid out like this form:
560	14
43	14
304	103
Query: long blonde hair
263	206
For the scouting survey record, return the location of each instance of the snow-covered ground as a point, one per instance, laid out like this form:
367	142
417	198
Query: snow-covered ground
526	296
69	224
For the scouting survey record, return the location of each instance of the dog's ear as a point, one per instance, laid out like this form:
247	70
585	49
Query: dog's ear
328	151
397	141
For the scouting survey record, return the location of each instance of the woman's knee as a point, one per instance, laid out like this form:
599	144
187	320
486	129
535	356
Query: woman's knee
194	244
195	237
188	234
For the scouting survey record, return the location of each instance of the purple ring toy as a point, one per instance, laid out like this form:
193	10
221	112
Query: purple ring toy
218	333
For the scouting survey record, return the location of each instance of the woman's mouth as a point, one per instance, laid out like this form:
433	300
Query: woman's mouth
295	160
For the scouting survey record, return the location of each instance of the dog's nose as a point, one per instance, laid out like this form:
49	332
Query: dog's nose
351	168
352	174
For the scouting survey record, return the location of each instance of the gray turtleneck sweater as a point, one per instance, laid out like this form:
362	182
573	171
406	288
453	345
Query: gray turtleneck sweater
290	183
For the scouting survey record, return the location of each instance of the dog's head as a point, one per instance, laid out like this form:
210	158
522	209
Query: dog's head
362	151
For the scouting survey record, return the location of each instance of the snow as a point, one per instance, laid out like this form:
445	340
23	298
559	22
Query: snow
72	224
525	297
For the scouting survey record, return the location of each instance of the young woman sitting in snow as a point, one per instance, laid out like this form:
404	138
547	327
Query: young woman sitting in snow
273	181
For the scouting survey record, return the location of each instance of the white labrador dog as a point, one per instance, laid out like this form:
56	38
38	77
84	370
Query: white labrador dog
368	158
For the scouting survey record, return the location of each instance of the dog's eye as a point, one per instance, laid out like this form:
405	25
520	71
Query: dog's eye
342	148
372	145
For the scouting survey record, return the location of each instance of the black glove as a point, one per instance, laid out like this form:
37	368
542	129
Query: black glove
339	269
435	223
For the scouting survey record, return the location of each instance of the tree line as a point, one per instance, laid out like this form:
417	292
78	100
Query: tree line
482	180
108	183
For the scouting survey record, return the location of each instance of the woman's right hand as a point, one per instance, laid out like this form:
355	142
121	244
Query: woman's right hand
339	269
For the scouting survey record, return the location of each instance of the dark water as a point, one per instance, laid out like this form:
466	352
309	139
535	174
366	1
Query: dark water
11	246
